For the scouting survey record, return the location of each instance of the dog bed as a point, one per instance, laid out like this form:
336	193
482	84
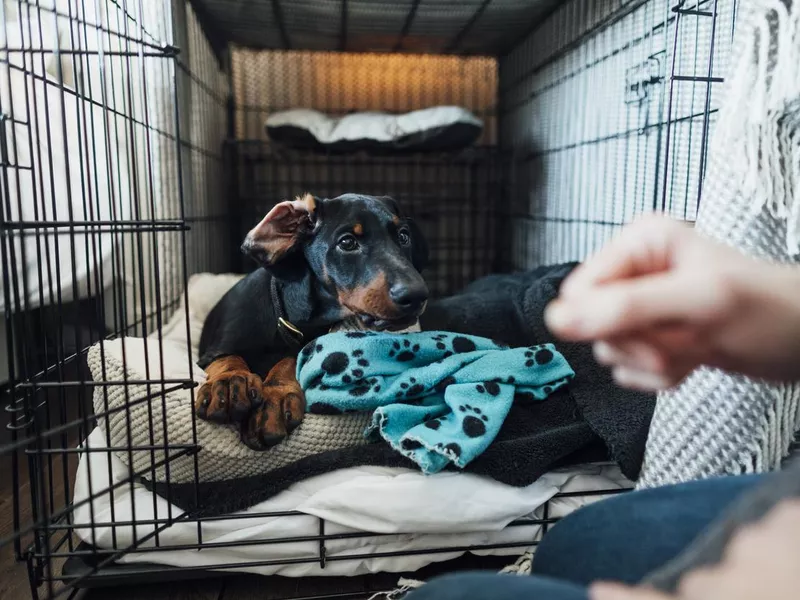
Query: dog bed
137	414
396	509
437	129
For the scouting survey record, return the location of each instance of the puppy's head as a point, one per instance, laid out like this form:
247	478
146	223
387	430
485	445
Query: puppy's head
361	249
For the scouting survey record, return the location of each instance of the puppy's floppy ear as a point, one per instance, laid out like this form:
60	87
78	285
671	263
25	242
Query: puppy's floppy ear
419	246
281	231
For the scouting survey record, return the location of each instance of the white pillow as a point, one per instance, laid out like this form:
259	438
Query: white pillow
205	290
441	128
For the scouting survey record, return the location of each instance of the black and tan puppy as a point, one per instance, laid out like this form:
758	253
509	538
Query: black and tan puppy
324	260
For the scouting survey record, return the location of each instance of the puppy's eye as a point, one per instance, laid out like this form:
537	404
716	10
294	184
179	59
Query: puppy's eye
348	243
403	237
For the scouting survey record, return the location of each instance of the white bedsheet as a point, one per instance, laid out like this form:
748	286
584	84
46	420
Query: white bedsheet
417	512
74	154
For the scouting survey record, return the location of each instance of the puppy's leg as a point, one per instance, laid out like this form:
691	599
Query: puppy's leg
282	410
230	393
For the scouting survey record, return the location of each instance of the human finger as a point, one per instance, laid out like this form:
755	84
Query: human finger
617	309
665	350
644	381
641	248
631	353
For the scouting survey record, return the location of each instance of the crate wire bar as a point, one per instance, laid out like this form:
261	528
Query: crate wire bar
97	163
584	170
134	155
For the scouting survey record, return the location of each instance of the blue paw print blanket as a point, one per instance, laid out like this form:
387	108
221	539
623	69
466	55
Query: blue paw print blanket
436	397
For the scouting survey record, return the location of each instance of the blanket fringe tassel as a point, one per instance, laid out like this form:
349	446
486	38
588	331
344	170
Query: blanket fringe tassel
522	566
758	132
404	586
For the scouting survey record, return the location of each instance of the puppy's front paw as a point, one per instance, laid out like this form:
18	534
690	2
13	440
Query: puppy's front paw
281	411
230	394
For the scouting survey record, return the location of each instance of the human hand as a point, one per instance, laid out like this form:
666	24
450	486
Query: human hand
760	563
661	300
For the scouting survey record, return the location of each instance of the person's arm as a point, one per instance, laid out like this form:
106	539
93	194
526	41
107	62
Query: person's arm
661	300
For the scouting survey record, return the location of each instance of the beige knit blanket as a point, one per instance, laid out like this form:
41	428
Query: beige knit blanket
162	416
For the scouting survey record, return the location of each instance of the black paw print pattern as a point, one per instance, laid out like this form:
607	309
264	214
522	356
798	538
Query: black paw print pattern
549	389
434	423
362	389
536	355
350	370
458	345
316	383
410	445
335	363
452	448
310	350
444	383
440	340
462	345
488	387
358	363
403	352
409	390
473	422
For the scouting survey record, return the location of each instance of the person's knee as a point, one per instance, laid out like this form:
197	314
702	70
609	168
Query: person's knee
570	549
625	537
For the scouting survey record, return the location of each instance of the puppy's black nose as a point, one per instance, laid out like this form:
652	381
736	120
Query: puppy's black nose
408	298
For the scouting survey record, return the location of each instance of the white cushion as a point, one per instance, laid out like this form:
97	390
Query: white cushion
441	128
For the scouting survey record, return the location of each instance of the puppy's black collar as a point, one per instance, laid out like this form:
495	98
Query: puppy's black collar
289	332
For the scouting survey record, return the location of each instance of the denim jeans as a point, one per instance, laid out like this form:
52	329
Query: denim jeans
622	538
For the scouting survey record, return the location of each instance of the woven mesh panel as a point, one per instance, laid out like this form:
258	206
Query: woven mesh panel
339	83
601	132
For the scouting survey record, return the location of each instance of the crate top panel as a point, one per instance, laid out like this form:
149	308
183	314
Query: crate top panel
471	27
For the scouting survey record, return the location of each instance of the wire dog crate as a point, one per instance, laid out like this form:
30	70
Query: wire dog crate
134	155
